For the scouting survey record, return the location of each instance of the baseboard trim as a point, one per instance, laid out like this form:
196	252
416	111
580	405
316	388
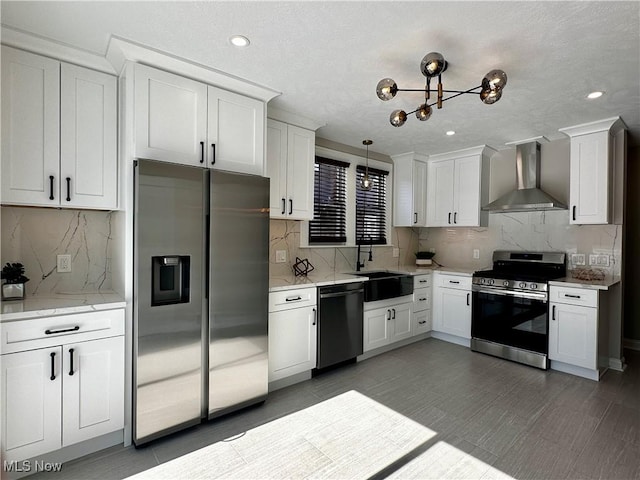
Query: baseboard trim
632	344
288	381
617	364
578	371
393	346
465	342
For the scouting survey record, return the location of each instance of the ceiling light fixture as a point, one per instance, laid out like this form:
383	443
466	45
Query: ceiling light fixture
239	40
594	95
366	182
433	65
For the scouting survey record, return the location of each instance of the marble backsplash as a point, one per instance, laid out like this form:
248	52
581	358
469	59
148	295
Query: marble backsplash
35	236
285	235
534	231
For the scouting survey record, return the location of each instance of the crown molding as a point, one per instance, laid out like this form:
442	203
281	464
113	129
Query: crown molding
275	113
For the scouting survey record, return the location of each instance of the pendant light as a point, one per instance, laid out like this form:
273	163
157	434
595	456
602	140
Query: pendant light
366	182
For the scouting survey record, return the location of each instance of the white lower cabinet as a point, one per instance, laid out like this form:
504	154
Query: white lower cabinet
452	305
62	393
292	333
387	324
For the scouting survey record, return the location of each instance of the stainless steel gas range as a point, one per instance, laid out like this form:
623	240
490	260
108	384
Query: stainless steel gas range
510	316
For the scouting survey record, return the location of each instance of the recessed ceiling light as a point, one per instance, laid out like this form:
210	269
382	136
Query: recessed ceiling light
593	95
239	40
451	132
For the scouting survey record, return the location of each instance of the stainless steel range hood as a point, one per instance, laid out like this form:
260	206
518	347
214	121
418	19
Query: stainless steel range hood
528	196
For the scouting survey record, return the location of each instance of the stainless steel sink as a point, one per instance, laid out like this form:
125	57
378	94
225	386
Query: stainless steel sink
385	284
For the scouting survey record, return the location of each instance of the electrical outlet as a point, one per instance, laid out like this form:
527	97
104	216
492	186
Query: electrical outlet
603	260
476	253
578	259
63	263
281	256
593	259
396	252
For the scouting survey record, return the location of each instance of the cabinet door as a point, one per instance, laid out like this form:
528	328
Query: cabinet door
31	409
93	392
88	157
300	172
236	128
292	342
440	193
376	328
452	312
276	167
401	316
170	117
573	335
30	128
590	179
466	204
419	194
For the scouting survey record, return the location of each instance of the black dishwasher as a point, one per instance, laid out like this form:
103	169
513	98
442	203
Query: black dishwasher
339	323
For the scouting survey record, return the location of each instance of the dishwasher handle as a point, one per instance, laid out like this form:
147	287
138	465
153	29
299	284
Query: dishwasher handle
341	294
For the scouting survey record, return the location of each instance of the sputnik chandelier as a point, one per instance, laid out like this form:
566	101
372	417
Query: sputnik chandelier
433	65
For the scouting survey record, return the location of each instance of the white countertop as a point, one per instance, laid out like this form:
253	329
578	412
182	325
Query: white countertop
39	306
608	282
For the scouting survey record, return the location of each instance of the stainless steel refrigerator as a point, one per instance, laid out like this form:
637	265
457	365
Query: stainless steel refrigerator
201	281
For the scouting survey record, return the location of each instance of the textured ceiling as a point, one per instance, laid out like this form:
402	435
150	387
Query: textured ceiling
327	57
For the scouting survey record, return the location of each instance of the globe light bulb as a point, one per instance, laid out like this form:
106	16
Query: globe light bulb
433	64
386	89
398	117
424	112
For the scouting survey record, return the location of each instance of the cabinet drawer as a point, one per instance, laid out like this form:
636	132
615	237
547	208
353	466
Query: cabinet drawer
422	322
285	299
421	299
574	296
421	281
453	281
46	332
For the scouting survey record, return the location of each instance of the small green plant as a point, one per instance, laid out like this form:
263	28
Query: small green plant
14	273
425	255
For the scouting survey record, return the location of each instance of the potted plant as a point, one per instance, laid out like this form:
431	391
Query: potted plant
13	288
424	258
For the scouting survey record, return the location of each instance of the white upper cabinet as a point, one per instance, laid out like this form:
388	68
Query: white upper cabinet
59	133
598	153
409	190
183	121
170	117
457	187
235	132
290	166
88	138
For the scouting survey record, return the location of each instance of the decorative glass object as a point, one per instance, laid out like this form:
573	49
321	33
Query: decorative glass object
386	89
424	112
398	117
433	64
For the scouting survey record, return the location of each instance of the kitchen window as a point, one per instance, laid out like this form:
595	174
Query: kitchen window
339	205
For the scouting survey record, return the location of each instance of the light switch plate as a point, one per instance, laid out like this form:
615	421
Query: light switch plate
63	263
476	253
396	252
281	256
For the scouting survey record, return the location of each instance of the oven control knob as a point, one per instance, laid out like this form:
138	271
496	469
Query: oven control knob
505	283
522	285
491	282
483	281
533	286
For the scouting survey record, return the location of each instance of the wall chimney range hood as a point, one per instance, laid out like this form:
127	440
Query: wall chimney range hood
528	196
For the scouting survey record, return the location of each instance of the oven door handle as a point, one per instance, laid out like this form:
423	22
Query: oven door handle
505	293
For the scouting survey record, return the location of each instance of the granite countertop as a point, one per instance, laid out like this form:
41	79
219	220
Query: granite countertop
569	281
39	306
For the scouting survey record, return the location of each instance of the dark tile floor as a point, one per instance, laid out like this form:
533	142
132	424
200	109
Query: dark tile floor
525	422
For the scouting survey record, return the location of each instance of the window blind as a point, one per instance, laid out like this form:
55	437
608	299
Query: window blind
329	224
371	223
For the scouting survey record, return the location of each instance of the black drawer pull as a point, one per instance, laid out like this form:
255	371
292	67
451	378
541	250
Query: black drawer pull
572	296
201	152
454	281
293	299
51	332
423	281
421	299
68	189
53	366
213	159
422	322
553	312
50	187
71	361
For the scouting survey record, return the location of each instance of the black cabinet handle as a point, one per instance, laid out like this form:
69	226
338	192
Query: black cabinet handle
68	189
51	332
71	361
293	299
422	281
290	207
53	366
394	313
213	150
314	316
422	322
284	206
454	281
415	218
50	187
201	152
388	315
455	217
572	296
449	218
553	312
468	299
573	214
